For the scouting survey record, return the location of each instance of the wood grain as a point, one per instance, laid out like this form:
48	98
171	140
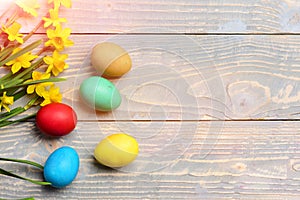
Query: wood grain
242	160
197	65
195	77
179	16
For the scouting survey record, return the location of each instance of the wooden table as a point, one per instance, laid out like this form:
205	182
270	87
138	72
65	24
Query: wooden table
213	99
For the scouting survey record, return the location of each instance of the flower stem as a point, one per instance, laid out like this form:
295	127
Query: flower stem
5	77
17	111
7	113
23	161
6	52
21	52
31	102
12	113
6	123
7	173
17	85
33	31
26	71
17	95
28	162
12	18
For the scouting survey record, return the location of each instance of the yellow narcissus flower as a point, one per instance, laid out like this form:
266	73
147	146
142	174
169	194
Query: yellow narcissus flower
56	63
54	19
31	68
59	38
29	6
57	3
51	96
38	88
13	32
21	61
6	101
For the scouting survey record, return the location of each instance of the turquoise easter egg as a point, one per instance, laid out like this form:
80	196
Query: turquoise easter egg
61	167
100	94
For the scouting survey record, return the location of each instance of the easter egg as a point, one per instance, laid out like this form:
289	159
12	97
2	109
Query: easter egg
61	167
56	119
116	150
110	60
100	94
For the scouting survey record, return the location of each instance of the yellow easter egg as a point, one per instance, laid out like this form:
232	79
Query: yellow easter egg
116	150
110	59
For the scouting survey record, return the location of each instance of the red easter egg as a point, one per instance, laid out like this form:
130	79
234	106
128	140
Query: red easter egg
56	119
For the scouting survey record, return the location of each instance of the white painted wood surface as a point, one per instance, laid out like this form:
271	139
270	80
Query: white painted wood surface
180	16
215	110
181	77
210	160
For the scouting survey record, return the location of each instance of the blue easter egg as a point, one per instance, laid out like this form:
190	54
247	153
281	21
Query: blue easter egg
61	167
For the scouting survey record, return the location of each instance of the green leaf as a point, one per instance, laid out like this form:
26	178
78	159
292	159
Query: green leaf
23	161
4	117
5	114
6	123
28	198
7	173
6	77
31	83
12	113
28	70
6	52
17	93
10	78
21	52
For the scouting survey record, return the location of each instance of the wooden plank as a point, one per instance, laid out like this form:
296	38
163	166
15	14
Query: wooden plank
181	77
195	77
175	101
179	16
213	160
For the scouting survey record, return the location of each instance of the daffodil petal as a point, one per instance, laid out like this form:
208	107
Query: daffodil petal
30	89
6	108
48	60
16	67
66	3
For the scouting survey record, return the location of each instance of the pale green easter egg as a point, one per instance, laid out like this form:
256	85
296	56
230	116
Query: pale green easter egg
100	94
